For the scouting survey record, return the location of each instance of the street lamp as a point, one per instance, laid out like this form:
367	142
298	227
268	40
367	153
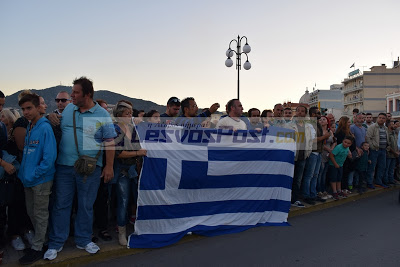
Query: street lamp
238	52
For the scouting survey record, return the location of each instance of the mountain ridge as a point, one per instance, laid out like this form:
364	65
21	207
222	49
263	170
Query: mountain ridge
49	94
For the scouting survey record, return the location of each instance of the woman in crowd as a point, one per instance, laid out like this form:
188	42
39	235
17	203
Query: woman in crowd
127	151
153	116
329	145
266	117
16	218
8	117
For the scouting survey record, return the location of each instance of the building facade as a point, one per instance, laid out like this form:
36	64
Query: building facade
393	104
367	91
328	99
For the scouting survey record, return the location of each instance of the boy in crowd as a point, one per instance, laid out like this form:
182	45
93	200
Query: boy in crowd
37	172
335	169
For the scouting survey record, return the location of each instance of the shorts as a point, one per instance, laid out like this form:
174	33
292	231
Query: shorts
334	174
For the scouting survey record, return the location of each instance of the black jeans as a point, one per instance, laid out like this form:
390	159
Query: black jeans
362	178
18	219
101	207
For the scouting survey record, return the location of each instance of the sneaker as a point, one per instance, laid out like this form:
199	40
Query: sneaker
328	196
342	194
18	244
29	236
381	185
51	254
320	199
371	186
350	187
132	219
335	196
30	257
309	201
298	204
91	248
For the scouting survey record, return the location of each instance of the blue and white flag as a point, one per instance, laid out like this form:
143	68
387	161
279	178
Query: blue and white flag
211	182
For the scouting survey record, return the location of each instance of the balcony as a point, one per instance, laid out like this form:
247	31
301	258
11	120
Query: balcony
395	114
353	100
352	89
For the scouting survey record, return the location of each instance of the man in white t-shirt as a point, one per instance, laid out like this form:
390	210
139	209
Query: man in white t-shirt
232	121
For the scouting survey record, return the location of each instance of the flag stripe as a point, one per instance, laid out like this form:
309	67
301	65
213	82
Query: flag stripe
158	241
194	176
251	155
150	212
168	226
158	197
249	167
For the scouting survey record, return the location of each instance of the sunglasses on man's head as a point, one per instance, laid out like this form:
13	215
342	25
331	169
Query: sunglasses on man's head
174	100
61	99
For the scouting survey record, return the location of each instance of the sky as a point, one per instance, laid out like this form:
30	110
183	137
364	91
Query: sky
156	49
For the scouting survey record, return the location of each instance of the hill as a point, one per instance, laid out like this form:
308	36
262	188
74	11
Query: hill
49	94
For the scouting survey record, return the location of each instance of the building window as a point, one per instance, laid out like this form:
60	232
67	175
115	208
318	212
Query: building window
397	104
390	106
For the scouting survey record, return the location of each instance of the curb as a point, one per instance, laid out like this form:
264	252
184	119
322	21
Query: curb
294	211
78	257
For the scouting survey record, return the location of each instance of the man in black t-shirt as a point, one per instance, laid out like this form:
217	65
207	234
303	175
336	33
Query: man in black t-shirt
173	107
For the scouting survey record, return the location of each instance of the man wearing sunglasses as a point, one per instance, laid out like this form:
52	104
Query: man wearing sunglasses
62	100
173	107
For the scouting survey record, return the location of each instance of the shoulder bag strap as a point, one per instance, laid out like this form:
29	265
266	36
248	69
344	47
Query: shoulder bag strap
75	137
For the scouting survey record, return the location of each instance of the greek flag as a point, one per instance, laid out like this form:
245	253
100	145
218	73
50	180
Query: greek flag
211	182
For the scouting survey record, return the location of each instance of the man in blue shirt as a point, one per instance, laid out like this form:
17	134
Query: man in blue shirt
358	131
94	130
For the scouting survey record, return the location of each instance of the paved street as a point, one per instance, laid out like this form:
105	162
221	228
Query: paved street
361	233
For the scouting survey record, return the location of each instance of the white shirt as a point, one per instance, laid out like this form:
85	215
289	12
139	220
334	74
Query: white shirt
230	123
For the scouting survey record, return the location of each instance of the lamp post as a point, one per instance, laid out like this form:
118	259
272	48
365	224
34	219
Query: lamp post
238	52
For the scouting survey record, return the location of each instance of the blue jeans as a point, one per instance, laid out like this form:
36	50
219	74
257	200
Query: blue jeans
321	183
67	181
351	177
124	187
311	171
297	177
389	174
378	160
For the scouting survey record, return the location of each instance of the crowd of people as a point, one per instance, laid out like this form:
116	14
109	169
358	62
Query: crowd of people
59	171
